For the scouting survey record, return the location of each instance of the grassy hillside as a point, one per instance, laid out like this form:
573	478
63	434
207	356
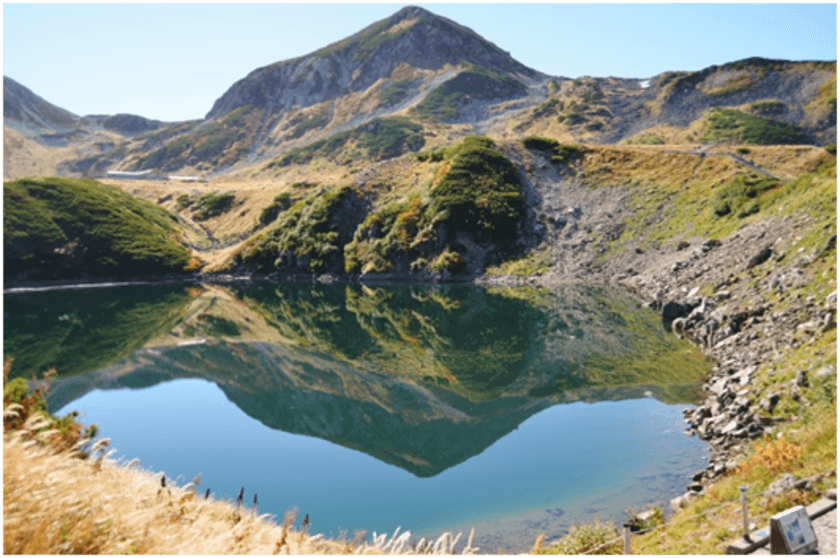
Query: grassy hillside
476	197
447	101
65	228
380	139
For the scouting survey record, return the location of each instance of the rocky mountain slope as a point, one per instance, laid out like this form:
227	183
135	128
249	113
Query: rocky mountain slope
449	82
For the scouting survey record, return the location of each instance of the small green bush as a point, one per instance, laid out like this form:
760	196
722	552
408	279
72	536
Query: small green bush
382	138
560	153
736	195
548	107
237	116
540	144
473	83
391	137
564	154
213	205
311	234
281	203
448	260
432	156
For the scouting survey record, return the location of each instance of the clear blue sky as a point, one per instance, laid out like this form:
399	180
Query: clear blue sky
172	61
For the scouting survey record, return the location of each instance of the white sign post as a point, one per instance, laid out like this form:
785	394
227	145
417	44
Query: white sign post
791	532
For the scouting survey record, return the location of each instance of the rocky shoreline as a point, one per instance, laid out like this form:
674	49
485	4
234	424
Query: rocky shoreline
753	312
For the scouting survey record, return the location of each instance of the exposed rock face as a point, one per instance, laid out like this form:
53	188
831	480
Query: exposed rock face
412	36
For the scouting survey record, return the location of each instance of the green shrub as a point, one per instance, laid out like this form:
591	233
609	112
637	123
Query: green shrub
434	156
540	143
668	77
480	192
560	153
649	139
832	148
213	205
237	116
480	195
281	203
736	195
390	137
382	138
574	114
548	107
211	147
564	154
448	260
767	107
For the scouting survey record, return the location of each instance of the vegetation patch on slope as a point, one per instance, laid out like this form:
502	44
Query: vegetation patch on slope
734	126
213	205
222	142
445	102
383	138
560	153
310	236
477	193
65	228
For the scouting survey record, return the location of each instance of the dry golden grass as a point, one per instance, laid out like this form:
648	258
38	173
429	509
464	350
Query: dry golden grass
55	503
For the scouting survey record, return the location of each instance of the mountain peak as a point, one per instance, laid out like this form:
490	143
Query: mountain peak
410	12
412	36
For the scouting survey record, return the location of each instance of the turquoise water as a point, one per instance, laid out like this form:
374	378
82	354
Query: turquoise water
512	411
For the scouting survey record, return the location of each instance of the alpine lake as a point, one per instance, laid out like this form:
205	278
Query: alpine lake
513	410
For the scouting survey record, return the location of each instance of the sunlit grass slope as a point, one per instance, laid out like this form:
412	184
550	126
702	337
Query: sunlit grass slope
63	227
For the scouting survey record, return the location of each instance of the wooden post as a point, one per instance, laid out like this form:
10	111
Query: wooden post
627	549
746	511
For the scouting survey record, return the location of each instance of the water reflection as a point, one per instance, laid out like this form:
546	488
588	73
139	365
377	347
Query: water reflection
418	377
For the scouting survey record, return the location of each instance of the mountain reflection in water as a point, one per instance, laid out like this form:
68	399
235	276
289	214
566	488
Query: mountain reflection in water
419	377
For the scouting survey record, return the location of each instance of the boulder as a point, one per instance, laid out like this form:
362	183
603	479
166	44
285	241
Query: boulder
825	371
672	310
762	256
